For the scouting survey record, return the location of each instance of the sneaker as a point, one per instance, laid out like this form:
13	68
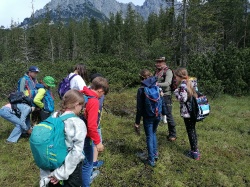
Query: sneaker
148	162
8	142
171	138
194	155
98	164
156	157
94	175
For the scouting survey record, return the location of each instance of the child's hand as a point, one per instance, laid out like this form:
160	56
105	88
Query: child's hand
53	180
137	129
100	147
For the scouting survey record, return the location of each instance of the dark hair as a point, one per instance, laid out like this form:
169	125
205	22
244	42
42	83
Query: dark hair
100	83
82	71
94	75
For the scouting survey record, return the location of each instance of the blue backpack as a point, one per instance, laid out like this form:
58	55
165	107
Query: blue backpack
47	142
153	101
48	101
64	86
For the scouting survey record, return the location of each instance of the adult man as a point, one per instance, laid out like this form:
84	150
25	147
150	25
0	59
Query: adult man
165	75
27	84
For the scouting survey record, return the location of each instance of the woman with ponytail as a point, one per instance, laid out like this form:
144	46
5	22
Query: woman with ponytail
183	94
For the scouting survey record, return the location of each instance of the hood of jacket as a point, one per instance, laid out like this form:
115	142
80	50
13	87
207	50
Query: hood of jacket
38	85
151	81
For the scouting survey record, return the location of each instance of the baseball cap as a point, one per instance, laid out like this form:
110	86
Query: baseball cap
49	81
33	69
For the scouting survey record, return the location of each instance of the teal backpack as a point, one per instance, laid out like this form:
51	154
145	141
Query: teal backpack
47	142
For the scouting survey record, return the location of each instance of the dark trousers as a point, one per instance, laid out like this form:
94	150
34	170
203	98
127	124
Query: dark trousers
170	119
74	180
192	136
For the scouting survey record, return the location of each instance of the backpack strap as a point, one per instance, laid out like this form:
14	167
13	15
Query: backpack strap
72	77
66	116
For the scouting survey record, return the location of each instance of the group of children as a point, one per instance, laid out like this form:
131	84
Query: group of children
183	93
82	135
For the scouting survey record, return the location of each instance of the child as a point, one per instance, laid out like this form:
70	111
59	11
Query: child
78	77
75	132
97	163
44	98
150	122
22	124
99	87
183	93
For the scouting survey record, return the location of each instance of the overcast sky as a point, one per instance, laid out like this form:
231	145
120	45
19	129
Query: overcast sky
17	10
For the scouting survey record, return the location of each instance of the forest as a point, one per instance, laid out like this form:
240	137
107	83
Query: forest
211	38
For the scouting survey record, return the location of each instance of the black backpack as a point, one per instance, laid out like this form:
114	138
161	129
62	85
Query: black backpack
17	98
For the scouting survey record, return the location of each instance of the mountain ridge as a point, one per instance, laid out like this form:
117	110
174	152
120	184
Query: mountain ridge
99	9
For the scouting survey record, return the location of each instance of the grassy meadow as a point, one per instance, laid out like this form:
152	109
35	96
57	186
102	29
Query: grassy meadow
223	138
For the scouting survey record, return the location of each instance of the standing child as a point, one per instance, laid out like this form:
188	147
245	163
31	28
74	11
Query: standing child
99	87
152	118
97	163
44	98
75	132
183	93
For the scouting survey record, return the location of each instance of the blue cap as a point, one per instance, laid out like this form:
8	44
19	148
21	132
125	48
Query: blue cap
33	69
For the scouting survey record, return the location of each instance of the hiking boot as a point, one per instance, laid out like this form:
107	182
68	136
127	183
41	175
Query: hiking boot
194	155
171	138
94	175
98	164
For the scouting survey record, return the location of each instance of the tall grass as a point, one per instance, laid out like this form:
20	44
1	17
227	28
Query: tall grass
223	138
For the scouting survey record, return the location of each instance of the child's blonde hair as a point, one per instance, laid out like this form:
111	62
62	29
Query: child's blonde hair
183	74
70	98
144	74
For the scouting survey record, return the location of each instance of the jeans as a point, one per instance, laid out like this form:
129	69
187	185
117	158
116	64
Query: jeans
150	128
88	162
171	123
22	124
192	136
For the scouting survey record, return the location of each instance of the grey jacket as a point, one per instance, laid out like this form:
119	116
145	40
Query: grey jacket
164	81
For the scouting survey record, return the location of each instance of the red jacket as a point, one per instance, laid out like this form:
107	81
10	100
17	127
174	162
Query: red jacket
91	114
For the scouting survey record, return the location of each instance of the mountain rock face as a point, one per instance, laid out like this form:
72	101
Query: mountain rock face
100	9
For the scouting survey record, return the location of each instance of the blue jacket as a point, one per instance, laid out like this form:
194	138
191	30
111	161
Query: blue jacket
140	106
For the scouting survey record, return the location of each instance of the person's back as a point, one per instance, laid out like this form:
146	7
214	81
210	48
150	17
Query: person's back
75	133
44	99
80	76
149	106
